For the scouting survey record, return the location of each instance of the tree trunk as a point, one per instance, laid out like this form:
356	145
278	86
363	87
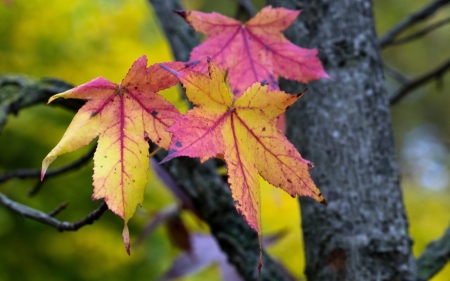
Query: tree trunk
343	125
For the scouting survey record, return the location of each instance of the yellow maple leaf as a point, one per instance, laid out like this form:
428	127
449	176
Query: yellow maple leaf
124	116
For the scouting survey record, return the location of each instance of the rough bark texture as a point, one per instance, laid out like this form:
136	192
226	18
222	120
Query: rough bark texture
343	125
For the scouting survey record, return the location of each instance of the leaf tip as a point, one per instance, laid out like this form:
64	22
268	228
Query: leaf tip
52	98
181	13
126	238
323	201
260	263
264	82
326	76
191	63
43	170
299	95
45	164
167	158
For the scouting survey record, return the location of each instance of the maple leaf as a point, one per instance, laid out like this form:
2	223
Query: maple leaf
243	130
254	51
124	116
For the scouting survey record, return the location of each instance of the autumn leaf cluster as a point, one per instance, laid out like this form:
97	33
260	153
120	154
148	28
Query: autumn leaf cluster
232	81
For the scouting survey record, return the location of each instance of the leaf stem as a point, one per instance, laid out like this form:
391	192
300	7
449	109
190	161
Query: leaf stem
154	152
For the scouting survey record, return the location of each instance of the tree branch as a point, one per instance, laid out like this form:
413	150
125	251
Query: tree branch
412	19
397	75
419	81
421	33
48	219
35	173
18	92
435	257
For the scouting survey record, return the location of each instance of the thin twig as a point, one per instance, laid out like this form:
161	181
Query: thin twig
435	257
37	187
44	218
419	81
397	75
412	19
421	33
35	173
58	209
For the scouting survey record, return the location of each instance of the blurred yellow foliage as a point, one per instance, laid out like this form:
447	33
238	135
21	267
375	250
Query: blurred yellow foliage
429	215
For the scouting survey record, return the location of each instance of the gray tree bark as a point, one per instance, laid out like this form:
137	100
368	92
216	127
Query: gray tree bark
343	125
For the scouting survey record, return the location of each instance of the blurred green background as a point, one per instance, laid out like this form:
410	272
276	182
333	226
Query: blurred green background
80	40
